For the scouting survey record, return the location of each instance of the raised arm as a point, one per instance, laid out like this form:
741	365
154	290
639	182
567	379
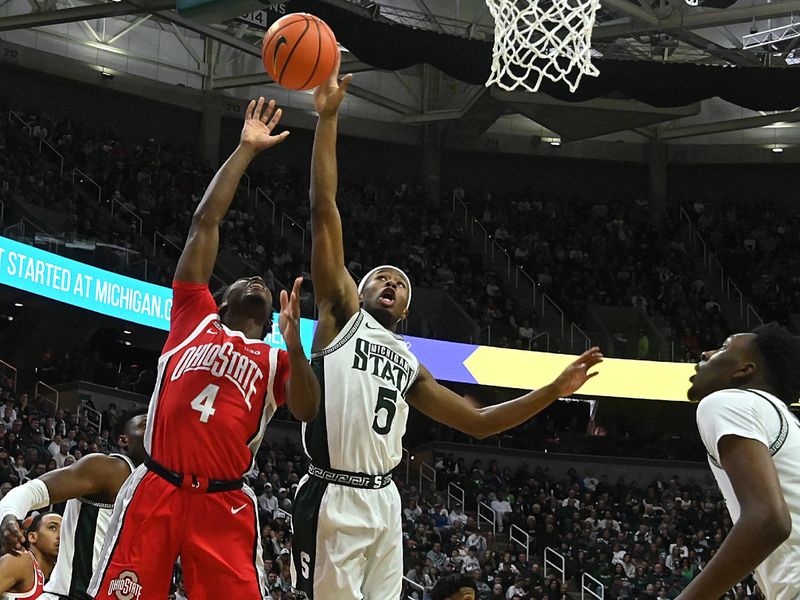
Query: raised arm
199	255
334	290
92	475
764	524
302	387
445	406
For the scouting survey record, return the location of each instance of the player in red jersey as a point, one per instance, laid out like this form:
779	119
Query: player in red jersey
22	574
218	385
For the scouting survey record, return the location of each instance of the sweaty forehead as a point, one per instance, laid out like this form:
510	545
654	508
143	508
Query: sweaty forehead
740	341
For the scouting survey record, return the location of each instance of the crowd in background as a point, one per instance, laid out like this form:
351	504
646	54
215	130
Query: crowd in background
613	253
638	540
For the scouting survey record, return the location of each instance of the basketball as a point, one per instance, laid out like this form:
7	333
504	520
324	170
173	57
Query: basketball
299	51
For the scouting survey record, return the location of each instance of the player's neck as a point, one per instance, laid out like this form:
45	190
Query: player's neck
244	324
46	563
383	320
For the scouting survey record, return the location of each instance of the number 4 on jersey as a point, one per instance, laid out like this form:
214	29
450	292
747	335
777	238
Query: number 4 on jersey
204	403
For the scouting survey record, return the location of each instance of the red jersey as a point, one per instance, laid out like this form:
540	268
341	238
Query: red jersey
215	393
38	584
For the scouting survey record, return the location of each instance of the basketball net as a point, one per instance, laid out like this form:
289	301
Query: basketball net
534	39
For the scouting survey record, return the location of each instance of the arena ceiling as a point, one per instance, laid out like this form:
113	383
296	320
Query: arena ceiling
148	38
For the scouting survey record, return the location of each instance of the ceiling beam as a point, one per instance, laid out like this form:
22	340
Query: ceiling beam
82	13
700	19
729	125
383	101
210	32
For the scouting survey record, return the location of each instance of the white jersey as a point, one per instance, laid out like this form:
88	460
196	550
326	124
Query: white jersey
760	416
83	531
364	376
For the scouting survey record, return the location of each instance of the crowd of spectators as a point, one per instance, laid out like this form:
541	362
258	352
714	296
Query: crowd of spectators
756	243
613	254
639	541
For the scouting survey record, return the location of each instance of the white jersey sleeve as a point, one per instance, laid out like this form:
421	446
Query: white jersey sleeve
735	412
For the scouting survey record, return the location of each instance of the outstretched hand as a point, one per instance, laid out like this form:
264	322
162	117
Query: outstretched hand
330	94
289	319
576	374
259	125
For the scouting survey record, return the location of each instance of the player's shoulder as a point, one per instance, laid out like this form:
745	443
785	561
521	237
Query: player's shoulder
730	401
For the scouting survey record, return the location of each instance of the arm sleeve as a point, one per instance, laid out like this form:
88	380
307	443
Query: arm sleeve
19	501
191	303
282	373
732	412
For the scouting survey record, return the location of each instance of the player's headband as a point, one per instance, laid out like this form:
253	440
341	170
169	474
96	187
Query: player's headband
366	278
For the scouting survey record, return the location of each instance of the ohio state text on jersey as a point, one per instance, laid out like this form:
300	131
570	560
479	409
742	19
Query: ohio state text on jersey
215	393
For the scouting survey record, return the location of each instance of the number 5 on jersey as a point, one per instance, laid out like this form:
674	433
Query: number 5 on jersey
387	400
204	402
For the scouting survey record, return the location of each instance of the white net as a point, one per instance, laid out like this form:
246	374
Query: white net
534	39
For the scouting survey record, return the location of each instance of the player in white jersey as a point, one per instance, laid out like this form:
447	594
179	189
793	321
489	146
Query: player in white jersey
89	487
346	515
753	446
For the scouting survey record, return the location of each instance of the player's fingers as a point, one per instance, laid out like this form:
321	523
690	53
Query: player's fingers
276	118
345	83
269	112
298	281
248	113
284	300
590	375
259	108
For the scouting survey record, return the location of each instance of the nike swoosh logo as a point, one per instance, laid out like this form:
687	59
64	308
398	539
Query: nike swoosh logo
281	41
368	326
236	510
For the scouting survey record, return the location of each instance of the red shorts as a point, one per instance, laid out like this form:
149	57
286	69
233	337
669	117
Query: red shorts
215	535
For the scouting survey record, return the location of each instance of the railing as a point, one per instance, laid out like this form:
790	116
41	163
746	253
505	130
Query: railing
246	178
546	337
43	142
521	537
407	457
427	473
261	192
756	317
554	560
456	493
115	202
78	174
52	241
7	367
292	223
90	412
53	392
728	287
574	329
12	116
416	586
520	279
586	587
487	513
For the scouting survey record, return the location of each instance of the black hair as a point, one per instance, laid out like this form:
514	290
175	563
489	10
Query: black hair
780	351
122	420
449	585
36	523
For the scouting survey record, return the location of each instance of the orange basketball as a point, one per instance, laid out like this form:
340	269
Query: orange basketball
299	51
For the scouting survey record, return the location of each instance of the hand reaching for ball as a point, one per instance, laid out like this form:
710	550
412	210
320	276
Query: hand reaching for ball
329	95
259	125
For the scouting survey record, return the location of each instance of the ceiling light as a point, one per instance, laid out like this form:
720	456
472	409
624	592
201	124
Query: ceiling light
126	331
127	343
777	149
18	304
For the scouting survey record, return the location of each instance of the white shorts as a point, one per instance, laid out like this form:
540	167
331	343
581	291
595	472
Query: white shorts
346	542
